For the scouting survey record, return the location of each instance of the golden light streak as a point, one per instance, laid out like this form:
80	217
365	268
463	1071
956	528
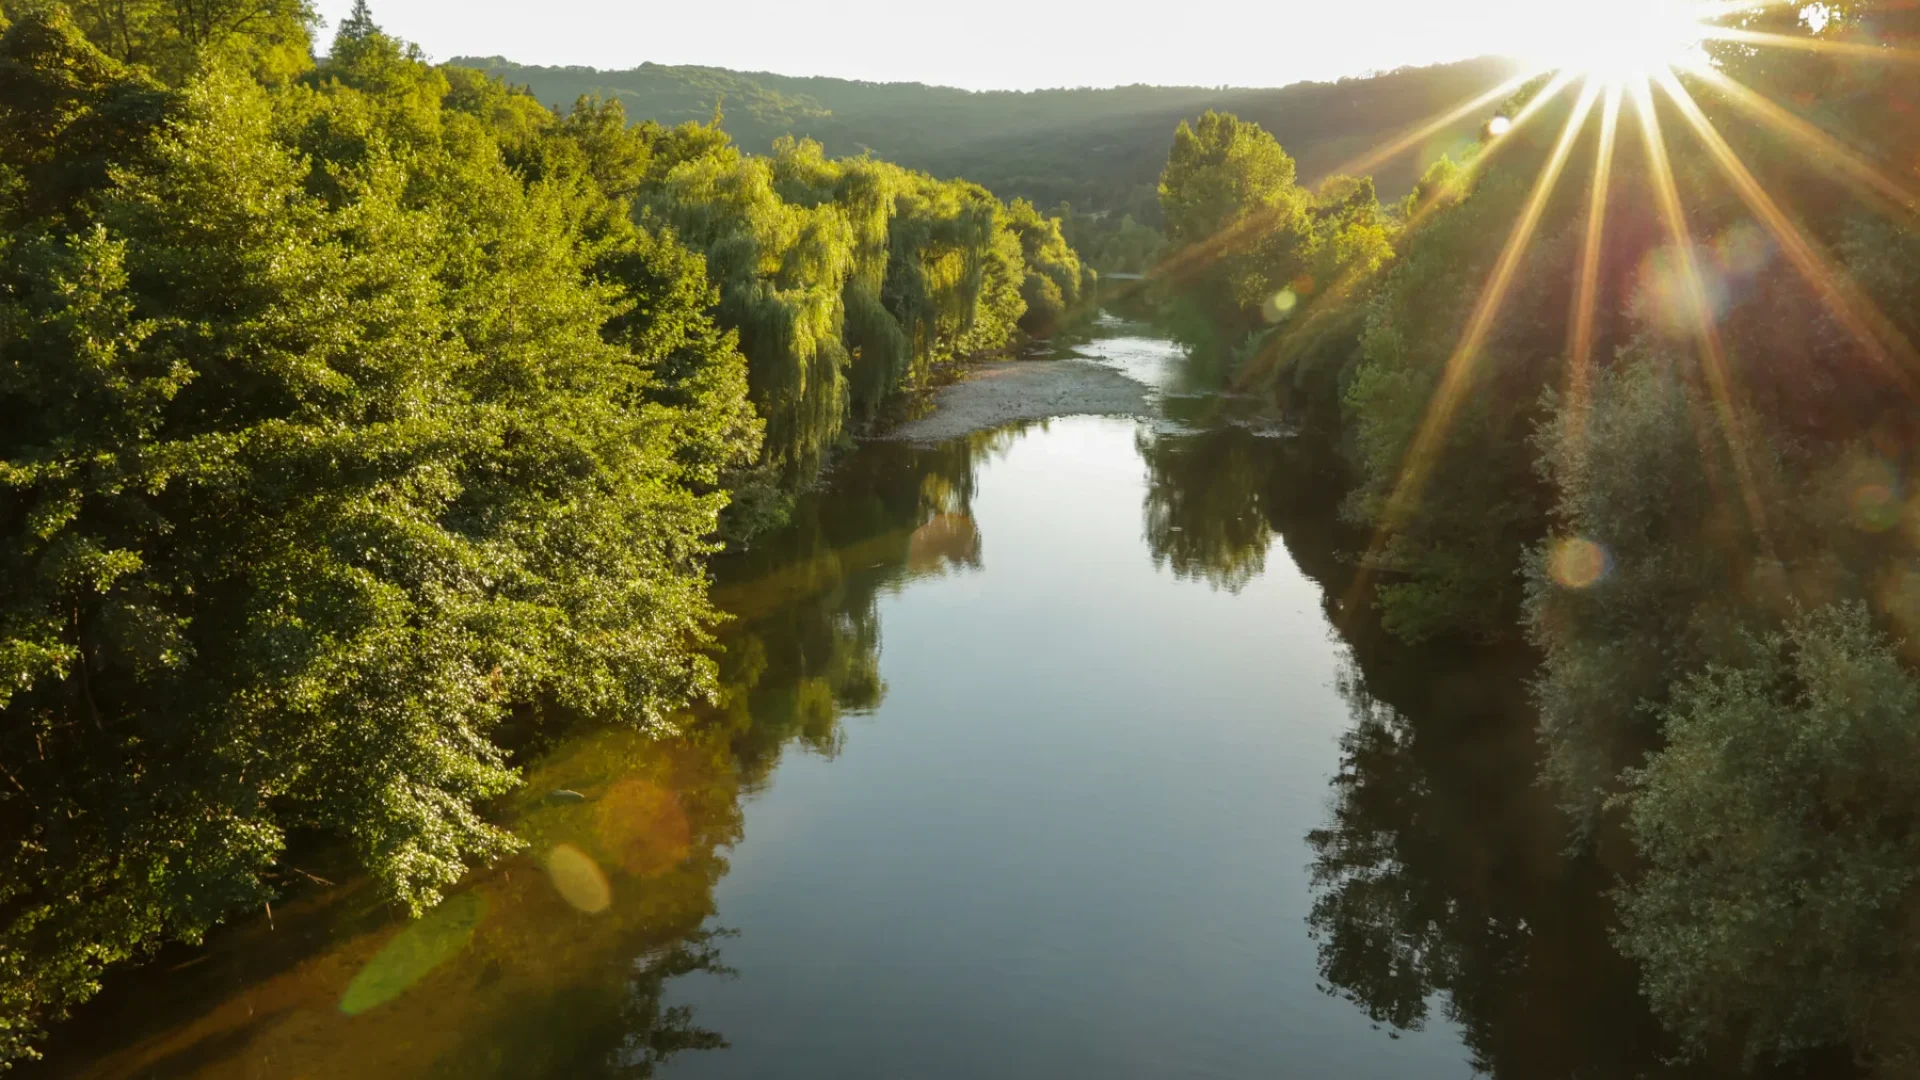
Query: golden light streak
1200	254
1580	354
1263	364
1868	326
1366	163
1417	462
1460	365
1712	355
1809	44
1827	153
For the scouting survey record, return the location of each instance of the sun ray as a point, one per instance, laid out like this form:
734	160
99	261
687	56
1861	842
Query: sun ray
1826	152
1707	335
1195	256
1329	300
1809	44
1367	162
1263	364
1868	326
1460	365
1580	351
1715	10
1417	461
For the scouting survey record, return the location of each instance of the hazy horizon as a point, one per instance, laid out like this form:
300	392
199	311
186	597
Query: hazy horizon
1075	45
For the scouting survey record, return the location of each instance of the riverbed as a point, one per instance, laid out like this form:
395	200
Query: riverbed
1046	748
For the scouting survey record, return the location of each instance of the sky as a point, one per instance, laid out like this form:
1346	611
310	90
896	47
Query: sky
978	44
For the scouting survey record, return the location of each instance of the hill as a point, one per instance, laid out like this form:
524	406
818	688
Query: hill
1101	150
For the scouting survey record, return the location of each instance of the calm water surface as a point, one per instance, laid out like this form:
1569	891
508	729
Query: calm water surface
1041	755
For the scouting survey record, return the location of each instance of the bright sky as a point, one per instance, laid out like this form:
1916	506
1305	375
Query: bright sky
978	44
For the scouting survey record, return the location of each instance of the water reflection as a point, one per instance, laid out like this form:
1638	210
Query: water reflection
805	647
555	962
1441	880
1442	893
1081	818
1206	513
538	966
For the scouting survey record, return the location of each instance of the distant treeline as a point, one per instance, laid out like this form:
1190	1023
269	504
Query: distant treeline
1681	459
1098	150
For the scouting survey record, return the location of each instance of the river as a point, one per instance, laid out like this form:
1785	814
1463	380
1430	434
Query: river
1055	751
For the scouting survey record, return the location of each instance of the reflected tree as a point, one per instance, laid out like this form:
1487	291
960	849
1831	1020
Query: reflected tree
805	650
1205	513
1441	890
652	1031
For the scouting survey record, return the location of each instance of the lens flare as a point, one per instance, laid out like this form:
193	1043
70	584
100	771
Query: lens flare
1869	328
1457	375
1621	49
1624	47
414	952
1587	300
1872	490
1280	305
1577	563
1713	360
579	879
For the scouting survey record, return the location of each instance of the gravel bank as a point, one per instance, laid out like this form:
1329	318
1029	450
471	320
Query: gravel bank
1001	393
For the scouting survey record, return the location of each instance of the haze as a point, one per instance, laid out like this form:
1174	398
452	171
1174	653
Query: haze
994	44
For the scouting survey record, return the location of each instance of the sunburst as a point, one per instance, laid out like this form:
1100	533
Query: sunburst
1629	49
1617	39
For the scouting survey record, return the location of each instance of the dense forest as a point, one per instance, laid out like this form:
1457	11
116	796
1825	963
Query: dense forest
1633	380
1099	151
359	416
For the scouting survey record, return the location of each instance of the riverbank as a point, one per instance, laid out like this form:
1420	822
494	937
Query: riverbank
993	394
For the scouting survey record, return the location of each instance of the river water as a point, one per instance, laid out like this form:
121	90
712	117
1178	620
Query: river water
1057	751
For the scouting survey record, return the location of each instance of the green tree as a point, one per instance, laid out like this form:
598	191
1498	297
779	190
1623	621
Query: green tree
1778	828
1234	216
326	439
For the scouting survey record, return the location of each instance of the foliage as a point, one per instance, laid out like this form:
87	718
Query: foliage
1054	279
1109	244
1102	150
1234	216
1647	510
1778	829
1263	271
850	281
328	439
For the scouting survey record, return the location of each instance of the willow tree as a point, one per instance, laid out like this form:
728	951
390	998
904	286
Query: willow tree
782	270
880	358
955	276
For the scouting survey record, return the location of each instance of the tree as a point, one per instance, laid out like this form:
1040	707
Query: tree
1233	215
326	440
270	38
1779	831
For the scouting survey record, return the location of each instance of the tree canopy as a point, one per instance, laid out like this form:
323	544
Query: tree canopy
351	408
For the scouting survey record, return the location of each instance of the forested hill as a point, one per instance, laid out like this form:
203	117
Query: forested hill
1098	149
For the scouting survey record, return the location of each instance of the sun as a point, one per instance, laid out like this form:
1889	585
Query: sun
1617	39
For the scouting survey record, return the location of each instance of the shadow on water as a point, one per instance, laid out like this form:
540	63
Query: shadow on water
1444	890
554	962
